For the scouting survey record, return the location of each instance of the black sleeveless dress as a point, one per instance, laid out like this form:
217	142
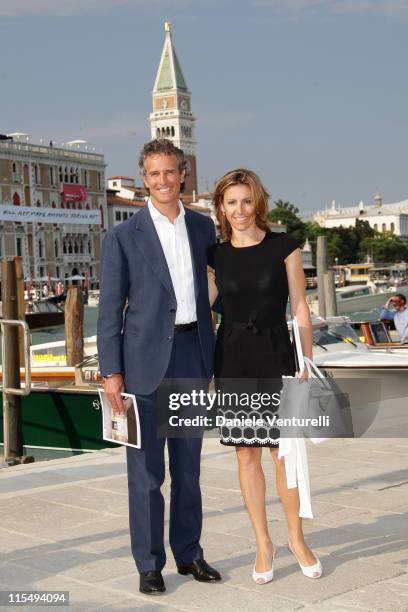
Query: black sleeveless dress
253	348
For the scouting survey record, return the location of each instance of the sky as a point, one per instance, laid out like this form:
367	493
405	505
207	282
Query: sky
311	94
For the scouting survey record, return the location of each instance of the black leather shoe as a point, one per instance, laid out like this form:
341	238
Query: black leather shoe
151	583
200	570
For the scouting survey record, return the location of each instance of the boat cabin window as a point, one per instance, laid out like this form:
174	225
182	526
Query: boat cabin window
335	334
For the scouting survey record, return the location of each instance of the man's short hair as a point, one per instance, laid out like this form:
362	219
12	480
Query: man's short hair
402	297
162	146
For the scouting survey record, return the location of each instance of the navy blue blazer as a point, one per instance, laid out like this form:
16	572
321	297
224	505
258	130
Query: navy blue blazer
137	342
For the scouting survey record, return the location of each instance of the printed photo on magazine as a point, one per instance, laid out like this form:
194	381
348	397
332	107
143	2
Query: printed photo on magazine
121	428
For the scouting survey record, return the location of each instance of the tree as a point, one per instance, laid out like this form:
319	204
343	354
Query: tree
384	247
287	214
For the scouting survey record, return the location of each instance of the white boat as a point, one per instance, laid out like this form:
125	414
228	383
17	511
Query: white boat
357	298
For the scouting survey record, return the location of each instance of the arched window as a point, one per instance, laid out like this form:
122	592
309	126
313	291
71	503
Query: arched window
172	130
56	248
71	174
66	174
36	174
158	132
69	247
76	250
81	247
61	174
376	227
89	247
392	227
16	199
14	167
64	246
40	247
383	227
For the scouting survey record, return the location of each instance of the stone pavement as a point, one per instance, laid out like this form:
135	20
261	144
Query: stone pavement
64	526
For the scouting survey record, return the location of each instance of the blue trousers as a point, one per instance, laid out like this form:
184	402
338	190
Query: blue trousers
146	472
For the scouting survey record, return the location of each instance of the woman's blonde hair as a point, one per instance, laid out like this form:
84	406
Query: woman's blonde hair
241	176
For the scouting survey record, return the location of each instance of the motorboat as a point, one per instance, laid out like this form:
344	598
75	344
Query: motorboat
358	298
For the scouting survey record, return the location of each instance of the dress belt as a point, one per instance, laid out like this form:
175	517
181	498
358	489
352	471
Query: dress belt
183	327
250	325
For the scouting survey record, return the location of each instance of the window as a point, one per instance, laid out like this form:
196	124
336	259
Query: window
57	270
99	175
40	248
66	174
56	249
16	199
383	227
114	183
51	169
85	181
76	250
89	247
118	216
61	174
392	227
125	216
19	246
14	167
376	227
37	174
172	131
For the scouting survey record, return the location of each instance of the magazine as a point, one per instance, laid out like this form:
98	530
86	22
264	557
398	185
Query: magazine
121	428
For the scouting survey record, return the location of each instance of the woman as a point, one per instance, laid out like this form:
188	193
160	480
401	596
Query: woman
253	271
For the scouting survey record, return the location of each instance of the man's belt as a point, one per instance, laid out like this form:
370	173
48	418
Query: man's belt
183	327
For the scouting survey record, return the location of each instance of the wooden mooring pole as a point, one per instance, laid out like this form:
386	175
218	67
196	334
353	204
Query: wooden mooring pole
321	265
13	442
74	326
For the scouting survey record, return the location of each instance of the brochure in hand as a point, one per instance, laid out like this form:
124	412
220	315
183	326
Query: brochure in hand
121	428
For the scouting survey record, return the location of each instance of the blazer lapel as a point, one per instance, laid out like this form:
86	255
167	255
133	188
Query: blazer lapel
148	243
194	239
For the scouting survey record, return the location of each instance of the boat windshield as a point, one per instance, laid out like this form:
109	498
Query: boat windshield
335	333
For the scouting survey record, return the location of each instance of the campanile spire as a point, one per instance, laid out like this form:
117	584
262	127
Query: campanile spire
171	116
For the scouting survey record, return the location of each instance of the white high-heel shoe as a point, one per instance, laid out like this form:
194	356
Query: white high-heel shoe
264	577
309	570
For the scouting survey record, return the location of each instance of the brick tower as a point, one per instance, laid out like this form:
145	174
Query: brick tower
172	117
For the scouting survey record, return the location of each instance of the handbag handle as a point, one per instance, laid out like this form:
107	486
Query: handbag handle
313	369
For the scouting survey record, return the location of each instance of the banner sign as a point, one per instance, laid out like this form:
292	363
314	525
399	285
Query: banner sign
74	193
32	214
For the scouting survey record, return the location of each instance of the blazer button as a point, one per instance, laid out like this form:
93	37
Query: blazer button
169	338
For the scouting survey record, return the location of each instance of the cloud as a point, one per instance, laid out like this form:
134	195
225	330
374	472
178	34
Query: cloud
356	7
59	8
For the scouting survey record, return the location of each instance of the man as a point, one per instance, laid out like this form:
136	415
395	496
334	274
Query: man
398	313
157	261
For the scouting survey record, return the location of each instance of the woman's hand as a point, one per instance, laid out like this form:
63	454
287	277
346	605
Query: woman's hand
303	376
212	287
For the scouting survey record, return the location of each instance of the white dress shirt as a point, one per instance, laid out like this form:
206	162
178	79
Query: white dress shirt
176	247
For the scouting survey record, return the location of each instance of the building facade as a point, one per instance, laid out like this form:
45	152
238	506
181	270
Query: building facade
381	217
171	116
47	177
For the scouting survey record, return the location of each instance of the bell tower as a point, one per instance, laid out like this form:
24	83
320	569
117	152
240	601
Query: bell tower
171	116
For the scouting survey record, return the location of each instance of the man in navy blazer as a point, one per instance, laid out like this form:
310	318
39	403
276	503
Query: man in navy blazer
156	262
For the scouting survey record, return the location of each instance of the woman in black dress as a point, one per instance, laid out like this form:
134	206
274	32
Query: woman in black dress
253	271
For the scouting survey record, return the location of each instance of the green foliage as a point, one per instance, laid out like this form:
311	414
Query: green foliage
287	214
347	244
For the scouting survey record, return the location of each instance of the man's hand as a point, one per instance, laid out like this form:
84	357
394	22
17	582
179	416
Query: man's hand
113	387
303	376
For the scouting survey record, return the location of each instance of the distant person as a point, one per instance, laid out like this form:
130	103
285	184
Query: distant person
395	309
157	261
